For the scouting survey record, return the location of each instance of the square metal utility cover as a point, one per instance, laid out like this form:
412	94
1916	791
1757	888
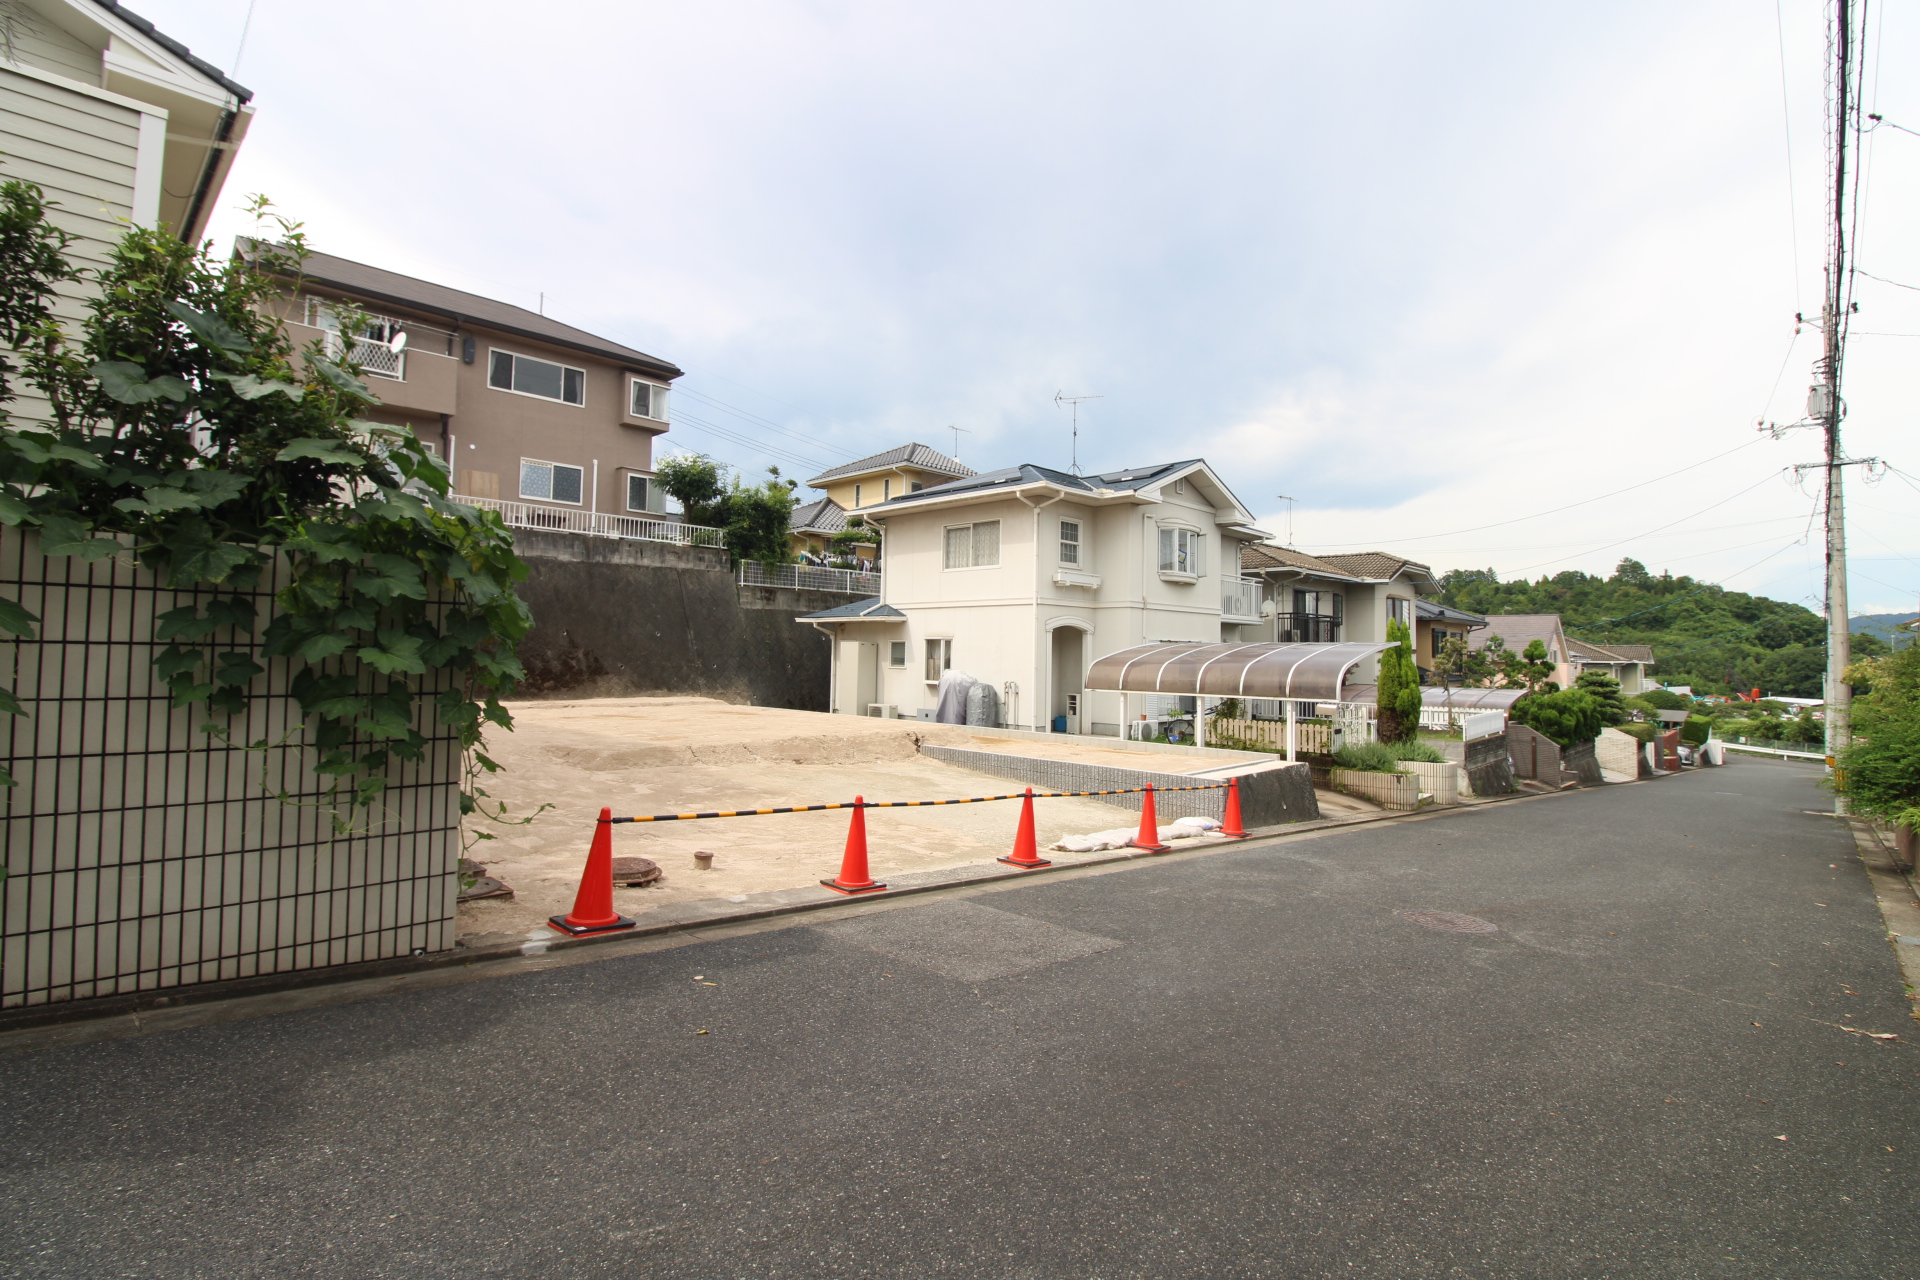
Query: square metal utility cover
966	941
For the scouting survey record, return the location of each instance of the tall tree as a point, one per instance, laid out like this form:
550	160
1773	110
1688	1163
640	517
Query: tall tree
1399	699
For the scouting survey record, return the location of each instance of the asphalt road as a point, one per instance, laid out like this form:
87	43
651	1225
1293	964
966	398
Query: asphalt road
1245	1064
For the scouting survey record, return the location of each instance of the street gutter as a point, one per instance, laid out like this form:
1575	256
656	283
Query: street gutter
497	955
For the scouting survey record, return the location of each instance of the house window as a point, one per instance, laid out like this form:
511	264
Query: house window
552	481
1399	609
973	546
897	654
1069	542
374	348
636	493
856	495
1180	551
886	490
917	487
529	377
939	659
648	400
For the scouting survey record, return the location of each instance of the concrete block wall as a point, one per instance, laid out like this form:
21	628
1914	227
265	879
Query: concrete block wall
1267	798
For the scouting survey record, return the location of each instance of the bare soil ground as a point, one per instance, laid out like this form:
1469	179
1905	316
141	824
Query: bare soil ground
683	754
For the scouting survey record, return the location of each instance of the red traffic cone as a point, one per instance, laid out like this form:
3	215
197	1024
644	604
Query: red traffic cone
1149	836
853	877
593	907
1231	827
1026	852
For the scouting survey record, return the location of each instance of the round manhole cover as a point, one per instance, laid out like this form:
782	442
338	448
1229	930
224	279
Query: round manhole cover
1449	921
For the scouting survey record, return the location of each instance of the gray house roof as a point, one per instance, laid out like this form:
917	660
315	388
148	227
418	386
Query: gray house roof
857	609
1124	480
240	92
922	456
1433	611
824	516
459	308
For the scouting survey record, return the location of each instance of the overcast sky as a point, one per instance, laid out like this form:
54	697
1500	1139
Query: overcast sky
1426	268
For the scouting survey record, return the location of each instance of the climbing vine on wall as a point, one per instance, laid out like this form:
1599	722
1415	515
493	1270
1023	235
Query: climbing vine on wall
181	427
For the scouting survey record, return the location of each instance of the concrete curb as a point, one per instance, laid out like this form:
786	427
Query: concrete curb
1899	902
46	1025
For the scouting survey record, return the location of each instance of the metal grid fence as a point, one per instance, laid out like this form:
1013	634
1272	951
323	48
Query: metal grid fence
143	853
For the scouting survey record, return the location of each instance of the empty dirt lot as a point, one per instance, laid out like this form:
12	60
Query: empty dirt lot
681	754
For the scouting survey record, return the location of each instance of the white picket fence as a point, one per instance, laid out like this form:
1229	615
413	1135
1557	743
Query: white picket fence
808	577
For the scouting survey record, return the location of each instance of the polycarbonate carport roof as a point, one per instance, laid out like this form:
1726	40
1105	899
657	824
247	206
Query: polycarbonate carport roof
1265	670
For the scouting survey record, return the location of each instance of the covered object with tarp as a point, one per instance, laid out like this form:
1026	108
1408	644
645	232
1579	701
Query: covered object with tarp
1294	673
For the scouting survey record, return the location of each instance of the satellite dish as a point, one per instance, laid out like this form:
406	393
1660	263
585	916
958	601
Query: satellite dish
399	342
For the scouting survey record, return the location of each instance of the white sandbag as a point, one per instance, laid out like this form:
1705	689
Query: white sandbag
1199	824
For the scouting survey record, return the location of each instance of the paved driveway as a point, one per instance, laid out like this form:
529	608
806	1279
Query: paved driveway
1248	1064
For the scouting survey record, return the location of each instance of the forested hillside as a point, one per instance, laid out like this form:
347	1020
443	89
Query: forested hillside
1702	635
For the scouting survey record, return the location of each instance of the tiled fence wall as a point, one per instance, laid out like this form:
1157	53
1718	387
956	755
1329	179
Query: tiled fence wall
143	853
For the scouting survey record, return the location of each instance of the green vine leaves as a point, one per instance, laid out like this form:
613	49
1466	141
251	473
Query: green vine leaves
182	428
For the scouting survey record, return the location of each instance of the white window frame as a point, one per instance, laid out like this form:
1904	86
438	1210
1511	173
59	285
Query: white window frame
1070	547
856	497
581	501
1196	540
938	650
534	395
648	492
972	542
664	393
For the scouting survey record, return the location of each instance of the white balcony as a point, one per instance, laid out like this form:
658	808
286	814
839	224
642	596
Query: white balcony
1240	600
530	515
808	577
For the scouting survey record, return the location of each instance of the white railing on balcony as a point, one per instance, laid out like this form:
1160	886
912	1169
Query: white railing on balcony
1240	599
374	357
527	515
809	577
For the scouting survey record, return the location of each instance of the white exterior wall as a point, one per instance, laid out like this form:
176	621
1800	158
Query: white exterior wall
1001	619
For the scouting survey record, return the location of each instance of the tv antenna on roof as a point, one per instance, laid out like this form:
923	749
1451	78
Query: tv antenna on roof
956	438
1060	398
1288	499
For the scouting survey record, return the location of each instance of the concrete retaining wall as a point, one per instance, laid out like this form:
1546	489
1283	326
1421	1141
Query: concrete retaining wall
1267	798
1489	765
614	618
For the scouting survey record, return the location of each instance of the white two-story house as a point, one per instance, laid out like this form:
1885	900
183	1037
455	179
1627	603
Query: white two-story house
1021	577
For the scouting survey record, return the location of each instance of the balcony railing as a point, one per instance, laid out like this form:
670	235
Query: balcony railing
1313	628
526	515
376	358
809	577
1240	599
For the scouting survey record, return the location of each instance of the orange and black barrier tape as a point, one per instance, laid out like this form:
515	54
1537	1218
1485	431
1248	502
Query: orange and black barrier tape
907	804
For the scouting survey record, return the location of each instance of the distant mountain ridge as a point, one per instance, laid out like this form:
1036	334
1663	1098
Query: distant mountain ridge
1883	625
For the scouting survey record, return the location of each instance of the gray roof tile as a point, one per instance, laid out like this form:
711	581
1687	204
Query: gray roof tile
924	457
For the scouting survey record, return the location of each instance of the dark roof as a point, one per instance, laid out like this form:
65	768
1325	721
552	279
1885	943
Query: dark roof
177	49
1124	480
363	281
1376	564
1433	611
921	456
868	608
824	516
1264	555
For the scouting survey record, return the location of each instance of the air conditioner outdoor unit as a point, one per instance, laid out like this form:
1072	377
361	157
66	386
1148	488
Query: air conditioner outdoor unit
883	710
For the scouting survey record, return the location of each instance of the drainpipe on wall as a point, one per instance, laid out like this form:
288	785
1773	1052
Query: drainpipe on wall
1040	698
593	503
832	633
216	156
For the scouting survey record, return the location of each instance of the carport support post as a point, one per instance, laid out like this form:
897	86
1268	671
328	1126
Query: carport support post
1293	727
1200	720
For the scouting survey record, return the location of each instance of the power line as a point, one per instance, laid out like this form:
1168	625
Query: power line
1636	537
1500	524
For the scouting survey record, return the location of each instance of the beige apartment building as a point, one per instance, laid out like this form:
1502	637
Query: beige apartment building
550	424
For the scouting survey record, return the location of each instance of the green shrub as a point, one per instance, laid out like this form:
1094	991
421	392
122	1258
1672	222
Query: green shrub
1639	704
1416	751
1696	729
1368	757
1399	697
1567	717
1881	769
1642	732
1661	700
1605	690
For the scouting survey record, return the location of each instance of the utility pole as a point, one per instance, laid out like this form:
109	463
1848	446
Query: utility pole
1060	398
1824	402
